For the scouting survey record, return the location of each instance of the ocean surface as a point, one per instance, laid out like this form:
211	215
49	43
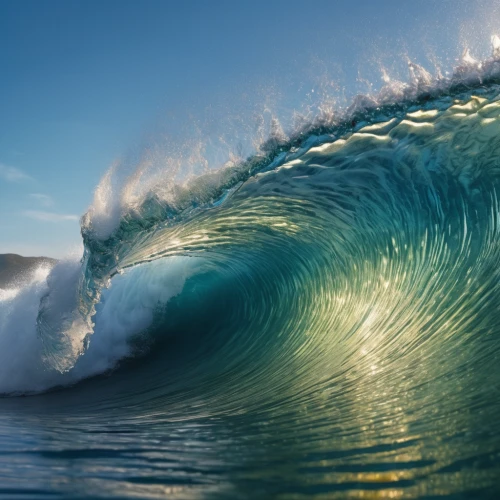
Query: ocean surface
318	320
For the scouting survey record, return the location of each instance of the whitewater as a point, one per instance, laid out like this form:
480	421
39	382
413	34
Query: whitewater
317	320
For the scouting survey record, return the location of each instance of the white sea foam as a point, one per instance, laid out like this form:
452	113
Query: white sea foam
126	309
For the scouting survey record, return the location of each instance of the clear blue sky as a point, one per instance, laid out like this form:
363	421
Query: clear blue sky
85	82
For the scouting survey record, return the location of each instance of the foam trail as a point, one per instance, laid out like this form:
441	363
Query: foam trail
127	309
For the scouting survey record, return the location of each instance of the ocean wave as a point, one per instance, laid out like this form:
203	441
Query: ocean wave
343	282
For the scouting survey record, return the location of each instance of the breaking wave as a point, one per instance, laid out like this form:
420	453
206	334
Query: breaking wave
335	295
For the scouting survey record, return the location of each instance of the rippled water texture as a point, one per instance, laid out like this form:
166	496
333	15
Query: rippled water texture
327	328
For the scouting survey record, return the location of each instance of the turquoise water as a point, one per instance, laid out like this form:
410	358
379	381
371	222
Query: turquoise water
318	321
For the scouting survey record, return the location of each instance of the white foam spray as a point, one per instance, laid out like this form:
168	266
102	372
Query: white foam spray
126	309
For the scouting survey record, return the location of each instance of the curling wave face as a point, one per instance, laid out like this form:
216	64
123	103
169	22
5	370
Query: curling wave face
319	321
